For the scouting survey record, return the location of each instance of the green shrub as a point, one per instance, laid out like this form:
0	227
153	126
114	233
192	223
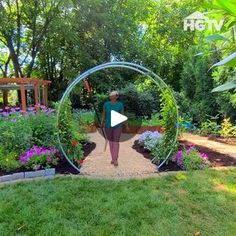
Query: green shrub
68	132
8	161
168	122
227	129
75	151
43	130
141	103
16	135
84	117
145	121
209	127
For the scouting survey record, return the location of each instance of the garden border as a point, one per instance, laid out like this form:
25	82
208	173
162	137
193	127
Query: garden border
28	175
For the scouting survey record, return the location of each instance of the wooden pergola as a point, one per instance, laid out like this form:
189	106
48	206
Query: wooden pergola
22	85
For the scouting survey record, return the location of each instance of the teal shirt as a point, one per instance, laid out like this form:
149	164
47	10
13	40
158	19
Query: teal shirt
108	106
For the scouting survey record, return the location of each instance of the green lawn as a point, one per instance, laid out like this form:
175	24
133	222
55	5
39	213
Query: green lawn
183	204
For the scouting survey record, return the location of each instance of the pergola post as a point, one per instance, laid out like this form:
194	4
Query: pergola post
23	98
5	98
36	96
19	84
45	95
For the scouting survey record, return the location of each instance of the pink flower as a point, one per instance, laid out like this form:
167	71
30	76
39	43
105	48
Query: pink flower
203	156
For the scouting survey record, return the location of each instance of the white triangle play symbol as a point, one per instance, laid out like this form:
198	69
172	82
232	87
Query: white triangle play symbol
117	118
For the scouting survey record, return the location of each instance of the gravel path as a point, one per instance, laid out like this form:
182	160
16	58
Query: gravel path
131	163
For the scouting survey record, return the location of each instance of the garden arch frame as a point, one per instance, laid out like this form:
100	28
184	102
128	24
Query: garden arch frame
116	64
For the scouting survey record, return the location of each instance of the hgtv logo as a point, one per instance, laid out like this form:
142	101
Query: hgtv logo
198	21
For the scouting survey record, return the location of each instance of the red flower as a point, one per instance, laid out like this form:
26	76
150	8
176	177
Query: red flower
81	162
74	143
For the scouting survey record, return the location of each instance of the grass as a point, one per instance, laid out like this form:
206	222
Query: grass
182	204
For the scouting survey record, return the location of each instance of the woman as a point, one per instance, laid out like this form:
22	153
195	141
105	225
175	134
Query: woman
113	133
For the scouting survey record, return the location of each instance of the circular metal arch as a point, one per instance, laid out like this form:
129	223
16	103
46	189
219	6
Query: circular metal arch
128	65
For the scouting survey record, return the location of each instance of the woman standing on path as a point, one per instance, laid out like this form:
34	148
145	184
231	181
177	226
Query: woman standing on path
113	133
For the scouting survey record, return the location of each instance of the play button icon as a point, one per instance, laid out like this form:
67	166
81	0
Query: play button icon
117	118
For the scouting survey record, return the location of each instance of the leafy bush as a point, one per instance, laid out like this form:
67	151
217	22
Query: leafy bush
43	130
75	151
19	133
84	117
209	127
145	121
8	160
168	123
227	129
16	135
68	133
141	103
150	140
37	158
191	159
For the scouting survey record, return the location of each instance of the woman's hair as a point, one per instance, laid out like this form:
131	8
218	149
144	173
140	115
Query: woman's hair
114	93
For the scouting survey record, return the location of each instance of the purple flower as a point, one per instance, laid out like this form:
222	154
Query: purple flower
36	151
31	108
178	158
5	114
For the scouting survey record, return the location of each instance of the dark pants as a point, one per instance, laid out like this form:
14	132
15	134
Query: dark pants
113	136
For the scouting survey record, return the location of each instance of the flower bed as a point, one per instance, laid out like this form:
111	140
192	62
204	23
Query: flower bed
10	111
188	157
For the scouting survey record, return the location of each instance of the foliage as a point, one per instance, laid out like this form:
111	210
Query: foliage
145	121
225	41
16	135
209	127
150	140
196	98
169	121
19	133
140	103
84	117
75	151
227	129
67	131
37	158
25	24
43	130
65	123
191	159
8	160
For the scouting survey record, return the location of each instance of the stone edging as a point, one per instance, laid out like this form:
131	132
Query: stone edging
49	173
28	175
